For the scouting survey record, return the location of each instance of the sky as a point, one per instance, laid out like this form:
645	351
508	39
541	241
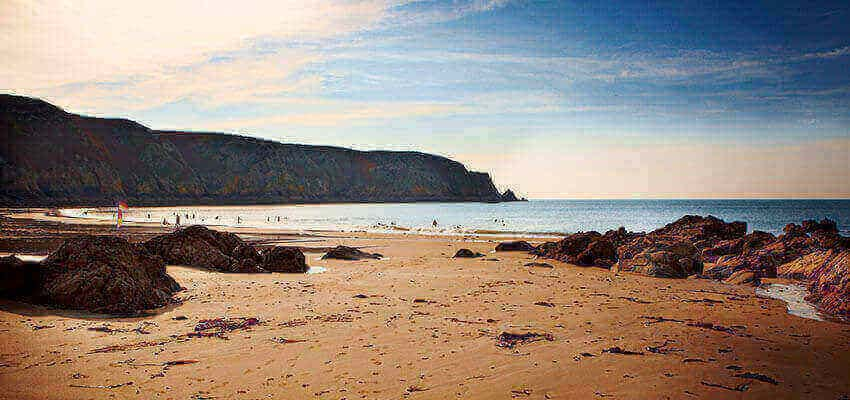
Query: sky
566	99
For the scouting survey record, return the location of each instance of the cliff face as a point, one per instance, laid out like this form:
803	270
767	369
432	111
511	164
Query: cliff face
50	157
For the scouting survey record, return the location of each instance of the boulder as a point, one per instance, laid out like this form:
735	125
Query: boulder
199	246
663	259
765	260
749	278
700	231
284	259
349	253
583	248
18	278
467	253
105	274
517	245
744	244
830	283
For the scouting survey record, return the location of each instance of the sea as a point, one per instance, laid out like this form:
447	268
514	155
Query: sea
532	218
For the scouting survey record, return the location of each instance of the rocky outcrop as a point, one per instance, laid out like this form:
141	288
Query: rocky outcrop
583	248
766	257
105	274
467	253
517	245
349	253
509	196
199	246
745	244
830	283
663	259
284	259
18	278
50	157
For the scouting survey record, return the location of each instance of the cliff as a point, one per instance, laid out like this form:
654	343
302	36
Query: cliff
51	157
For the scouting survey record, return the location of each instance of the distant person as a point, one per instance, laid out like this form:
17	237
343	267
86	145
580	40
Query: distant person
434	224
177	221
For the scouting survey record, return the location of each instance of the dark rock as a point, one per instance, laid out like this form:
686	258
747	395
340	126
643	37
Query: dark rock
105	274
745	244
518	245
467	253
509	195
199	246
284	259
663	259
829	285
18	278
583	248
700	231
349	253
54	157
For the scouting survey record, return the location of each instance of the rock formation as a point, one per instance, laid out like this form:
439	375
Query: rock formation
517	245
284	259
201	247
52	157
467	253
104	274
18	278
349	253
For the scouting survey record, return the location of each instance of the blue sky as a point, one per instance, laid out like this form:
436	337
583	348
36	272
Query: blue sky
555	99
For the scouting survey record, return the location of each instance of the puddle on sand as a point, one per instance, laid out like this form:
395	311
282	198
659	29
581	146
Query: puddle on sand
316	270
794	298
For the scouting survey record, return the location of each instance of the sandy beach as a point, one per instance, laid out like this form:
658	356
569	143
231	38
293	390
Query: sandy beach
417	324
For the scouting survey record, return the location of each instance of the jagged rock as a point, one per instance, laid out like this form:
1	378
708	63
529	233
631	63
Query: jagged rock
789	246
583	248
467	253
830	283
18	278
663	259
744	278
284	259
700	231
199	246
517	245
349	253
745	244
105	274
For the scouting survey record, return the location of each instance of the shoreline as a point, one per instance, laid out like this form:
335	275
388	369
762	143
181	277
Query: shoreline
419	324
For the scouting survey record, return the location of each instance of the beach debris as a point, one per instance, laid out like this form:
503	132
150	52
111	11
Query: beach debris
635	300
414	388
425	301
361	296
521	393
101	386
544	304
712	326
180	318
129	346
349	253
539	264
705	300
467	253
283	340
510	340
655	320
620	350
758	377
662	349
740	388
218	327
517	245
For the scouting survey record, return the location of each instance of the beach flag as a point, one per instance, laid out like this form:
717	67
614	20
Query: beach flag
119	215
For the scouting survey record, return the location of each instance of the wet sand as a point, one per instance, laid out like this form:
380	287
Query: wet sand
422	325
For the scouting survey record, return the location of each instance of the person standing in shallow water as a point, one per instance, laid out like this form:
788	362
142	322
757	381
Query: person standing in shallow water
434	224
